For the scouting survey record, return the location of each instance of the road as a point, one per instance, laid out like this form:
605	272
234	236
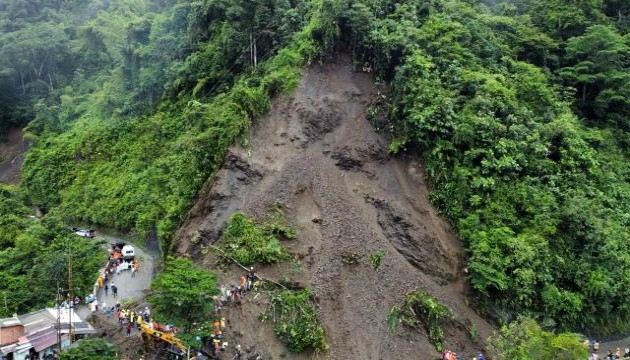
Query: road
129	287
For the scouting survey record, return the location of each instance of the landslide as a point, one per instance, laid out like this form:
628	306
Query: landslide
316	154
11	156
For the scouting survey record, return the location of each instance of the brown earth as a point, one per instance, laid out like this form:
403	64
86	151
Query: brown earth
11	157
316	154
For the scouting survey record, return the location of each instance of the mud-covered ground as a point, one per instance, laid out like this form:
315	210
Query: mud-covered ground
317	155
12	152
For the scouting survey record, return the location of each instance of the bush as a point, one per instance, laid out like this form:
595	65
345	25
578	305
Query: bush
295	321
421	309
90	349
248	242
524	340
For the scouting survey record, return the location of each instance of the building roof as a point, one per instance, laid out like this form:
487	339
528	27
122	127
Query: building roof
37	320
42	339
7	322
5	350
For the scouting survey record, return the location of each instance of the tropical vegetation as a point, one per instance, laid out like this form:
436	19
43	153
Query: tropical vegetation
520	111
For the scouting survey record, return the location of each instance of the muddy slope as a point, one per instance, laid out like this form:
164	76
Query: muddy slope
317	155
11	157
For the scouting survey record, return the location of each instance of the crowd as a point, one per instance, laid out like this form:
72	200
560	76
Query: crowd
594	347
229	295
452	355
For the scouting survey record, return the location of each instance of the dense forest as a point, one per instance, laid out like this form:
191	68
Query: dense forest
520	111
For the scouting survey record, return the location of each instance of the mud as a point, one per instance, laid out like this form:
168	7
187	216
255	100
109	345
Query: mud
12	156
316	154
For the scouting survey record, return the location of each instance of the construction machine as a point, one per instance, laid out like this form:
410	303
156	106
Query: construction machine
174	346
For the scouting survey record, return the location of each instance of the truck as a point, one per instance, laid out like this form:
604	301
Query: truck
89	233
128	252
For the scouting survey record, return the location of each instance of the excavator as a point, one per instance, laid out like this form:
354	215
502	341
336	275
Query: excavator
175	347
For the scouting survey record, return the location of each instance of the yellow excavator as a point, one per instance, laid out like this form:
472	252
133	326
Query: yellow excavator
175	346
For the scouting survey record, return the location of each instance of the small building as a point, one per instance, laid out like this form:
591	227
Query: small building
38	334
10	331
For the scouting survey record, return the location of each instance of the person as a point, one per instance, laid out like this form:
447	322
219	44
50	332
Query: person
128	327
626	352
596	346
251	277
106	288
618	353
480	357
610	355
114	290
239	353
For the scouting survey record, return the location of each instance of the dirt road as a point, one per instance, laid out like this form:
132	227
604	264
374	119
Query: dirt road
317	155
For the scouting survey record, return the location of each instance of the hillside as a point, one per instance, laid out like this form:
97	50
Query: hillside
12	152
477	150
317	156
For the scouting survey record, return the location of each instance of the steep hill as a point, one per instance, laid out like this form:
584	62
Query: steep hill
11	156
316	154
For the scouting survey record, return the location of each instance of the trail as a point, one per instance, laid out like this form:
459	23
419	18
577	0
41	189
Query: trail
317	155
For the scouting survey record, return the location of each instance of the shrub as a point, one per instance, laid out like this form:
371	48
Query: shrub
421	309
295	321
249	243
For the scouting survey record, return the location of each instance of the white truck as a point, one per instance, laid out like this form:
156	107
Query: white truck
128	253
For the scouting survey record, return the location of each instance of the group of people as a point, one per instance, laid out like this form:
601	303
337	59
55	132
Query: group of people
612	355
129	319
228	295
452	355
234	293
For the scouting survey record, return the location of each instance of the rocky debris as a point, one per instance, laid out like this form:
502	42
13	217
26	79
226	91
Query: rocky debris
244	171
317	154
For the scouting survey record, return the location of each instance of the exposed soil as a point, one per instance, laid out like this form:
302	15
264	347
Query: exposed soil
316	154
11	157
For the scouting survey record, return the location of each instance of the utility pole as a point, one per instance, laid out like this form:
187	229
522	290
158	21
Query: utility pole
70	293
58	302
252	50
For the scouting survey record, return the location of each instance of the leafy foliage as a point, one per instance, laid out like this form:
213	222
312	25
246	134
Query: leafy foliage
376	258
524	339
182	292
34	254
250	243
419	308
90	349
295	321
126	163
539	196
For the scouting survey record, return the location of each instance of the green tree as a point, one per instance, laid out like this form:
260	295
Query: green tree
90	349
183	292
600	71
525	340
